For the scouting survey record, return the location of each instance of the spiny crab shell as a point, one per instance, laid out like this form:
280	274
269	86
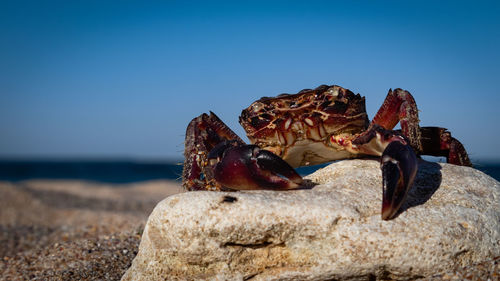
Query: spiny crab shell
296	127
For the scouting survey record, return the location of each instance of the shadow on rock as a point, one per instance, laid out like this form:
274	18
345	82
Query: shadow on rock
427	182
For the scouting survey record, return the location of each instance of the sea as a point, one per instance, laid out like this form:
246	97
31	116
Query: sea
123	172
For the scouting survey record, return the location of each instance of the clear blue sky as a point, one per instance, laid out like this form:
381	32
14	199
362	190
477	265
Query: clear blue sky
108	79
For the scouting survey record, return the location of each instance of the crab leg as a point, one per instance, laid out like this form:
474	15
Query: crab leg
399	106
217	159
398	163
202	135
439	142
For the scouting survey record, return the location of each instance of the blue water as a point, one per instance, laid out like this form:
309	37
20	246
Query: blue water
98	171
127	171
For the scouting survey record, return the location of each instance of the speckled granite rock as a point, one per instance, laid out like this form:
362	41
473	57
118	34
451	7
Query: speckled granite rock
332	231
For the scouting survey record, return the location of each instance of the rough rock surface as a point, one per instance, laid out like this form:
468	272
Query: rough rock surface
332	231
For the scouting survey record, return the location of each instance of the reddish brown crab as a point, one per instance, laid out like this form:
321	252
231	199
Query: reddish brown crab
312	127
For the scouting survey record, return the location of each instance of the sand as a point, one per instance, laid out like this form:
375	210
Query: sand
76	230
73	230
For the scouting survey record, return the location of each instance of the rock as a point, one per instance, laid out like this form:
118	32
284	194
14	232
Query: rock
332	231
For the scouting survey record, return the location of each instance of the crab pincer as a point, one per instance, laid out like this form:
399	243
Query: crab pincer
240	167
399	166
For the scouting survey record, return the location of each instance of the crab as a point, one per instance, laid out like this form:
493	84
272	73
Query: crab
312	127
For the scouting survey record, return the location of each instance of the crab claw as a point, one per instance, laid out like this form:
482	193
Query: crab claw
399	167
241	167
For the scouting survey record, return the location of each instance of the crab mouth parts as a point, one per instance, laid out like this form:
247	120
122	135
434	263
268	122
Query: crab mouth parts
308	153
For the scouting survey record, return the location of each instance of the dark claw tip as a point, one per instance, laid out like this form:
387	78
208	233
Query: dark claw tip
399	166
274	164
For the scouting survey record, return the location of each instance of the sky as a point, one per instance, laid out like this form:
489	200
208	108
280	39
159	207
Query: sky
122	79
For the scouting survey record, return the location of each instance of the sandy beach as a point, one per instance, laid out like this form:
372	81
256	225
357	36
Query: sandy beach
73	230
76	230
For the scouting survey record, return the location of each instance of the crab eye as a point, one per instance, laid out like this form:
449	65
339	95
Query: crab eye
258	122
337	107
266	116
257	107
